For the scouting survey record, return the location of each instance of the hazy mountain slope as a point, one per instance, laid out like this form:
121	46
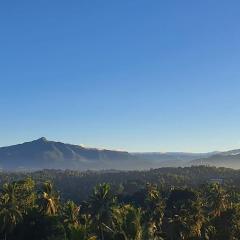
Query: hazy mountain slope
221	159
42	153
170	159
171	156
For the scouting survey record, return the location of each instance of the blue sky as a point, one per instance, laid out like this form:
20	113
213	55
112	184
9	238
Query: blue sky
134	75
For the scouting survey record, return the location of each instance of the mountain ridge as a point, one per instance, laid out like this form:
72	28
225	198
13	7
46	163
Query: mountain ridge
230	159
43	153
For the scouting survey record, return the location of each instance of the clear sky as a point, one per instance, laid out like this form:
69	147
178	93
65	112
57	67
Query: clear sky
130	74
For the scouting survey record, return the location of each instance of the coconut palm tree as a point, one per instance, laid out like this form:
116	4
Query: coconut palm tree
25	195
100	205
178	228
80	232
10	215
183	216
127	223
153	211
49	200
217	199
71	213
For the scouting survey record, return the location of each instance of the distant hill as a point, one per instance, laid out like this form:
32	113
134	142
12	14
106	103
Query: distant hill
221	159
170	159
45	154
41	153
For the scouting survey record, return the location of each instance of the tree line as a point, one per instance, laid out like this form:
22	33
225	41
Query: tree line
77	186
30	210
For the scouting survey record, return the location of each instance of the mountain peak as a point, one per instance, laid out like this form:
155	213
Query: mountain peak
44	154
42	139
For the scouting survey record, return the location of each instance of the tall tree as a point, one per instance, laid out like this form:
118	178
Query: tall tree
10	215
217	199
183	215
70	213
127	223
153	209
48	200
100	205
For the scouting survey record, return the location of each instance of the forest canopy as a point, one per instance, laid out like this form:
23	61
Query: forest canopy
170	203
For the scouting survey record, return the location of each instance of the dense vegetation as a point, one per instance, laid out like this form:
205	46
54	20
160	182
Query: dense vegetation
169	203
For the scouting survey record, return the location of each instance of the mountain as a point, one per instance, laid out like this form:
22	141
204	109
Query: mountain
170	159
42	153
229	159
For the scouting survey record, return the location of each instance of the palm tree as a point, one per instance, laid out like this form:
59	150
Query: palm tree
25	194
10	215
127	223
71	213
178	228
100	205
183	216
49	200
80	232
153	211
217	198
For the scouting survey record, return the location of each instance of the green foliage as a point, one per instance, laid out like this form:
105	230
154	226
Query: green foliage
80	232
10	215
48	200
153	211
127	222
100	204
70	213
40	227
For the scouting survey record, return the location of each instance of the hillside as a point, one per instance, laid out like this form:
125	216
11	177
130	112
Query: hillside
45	154
42	153
221	159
